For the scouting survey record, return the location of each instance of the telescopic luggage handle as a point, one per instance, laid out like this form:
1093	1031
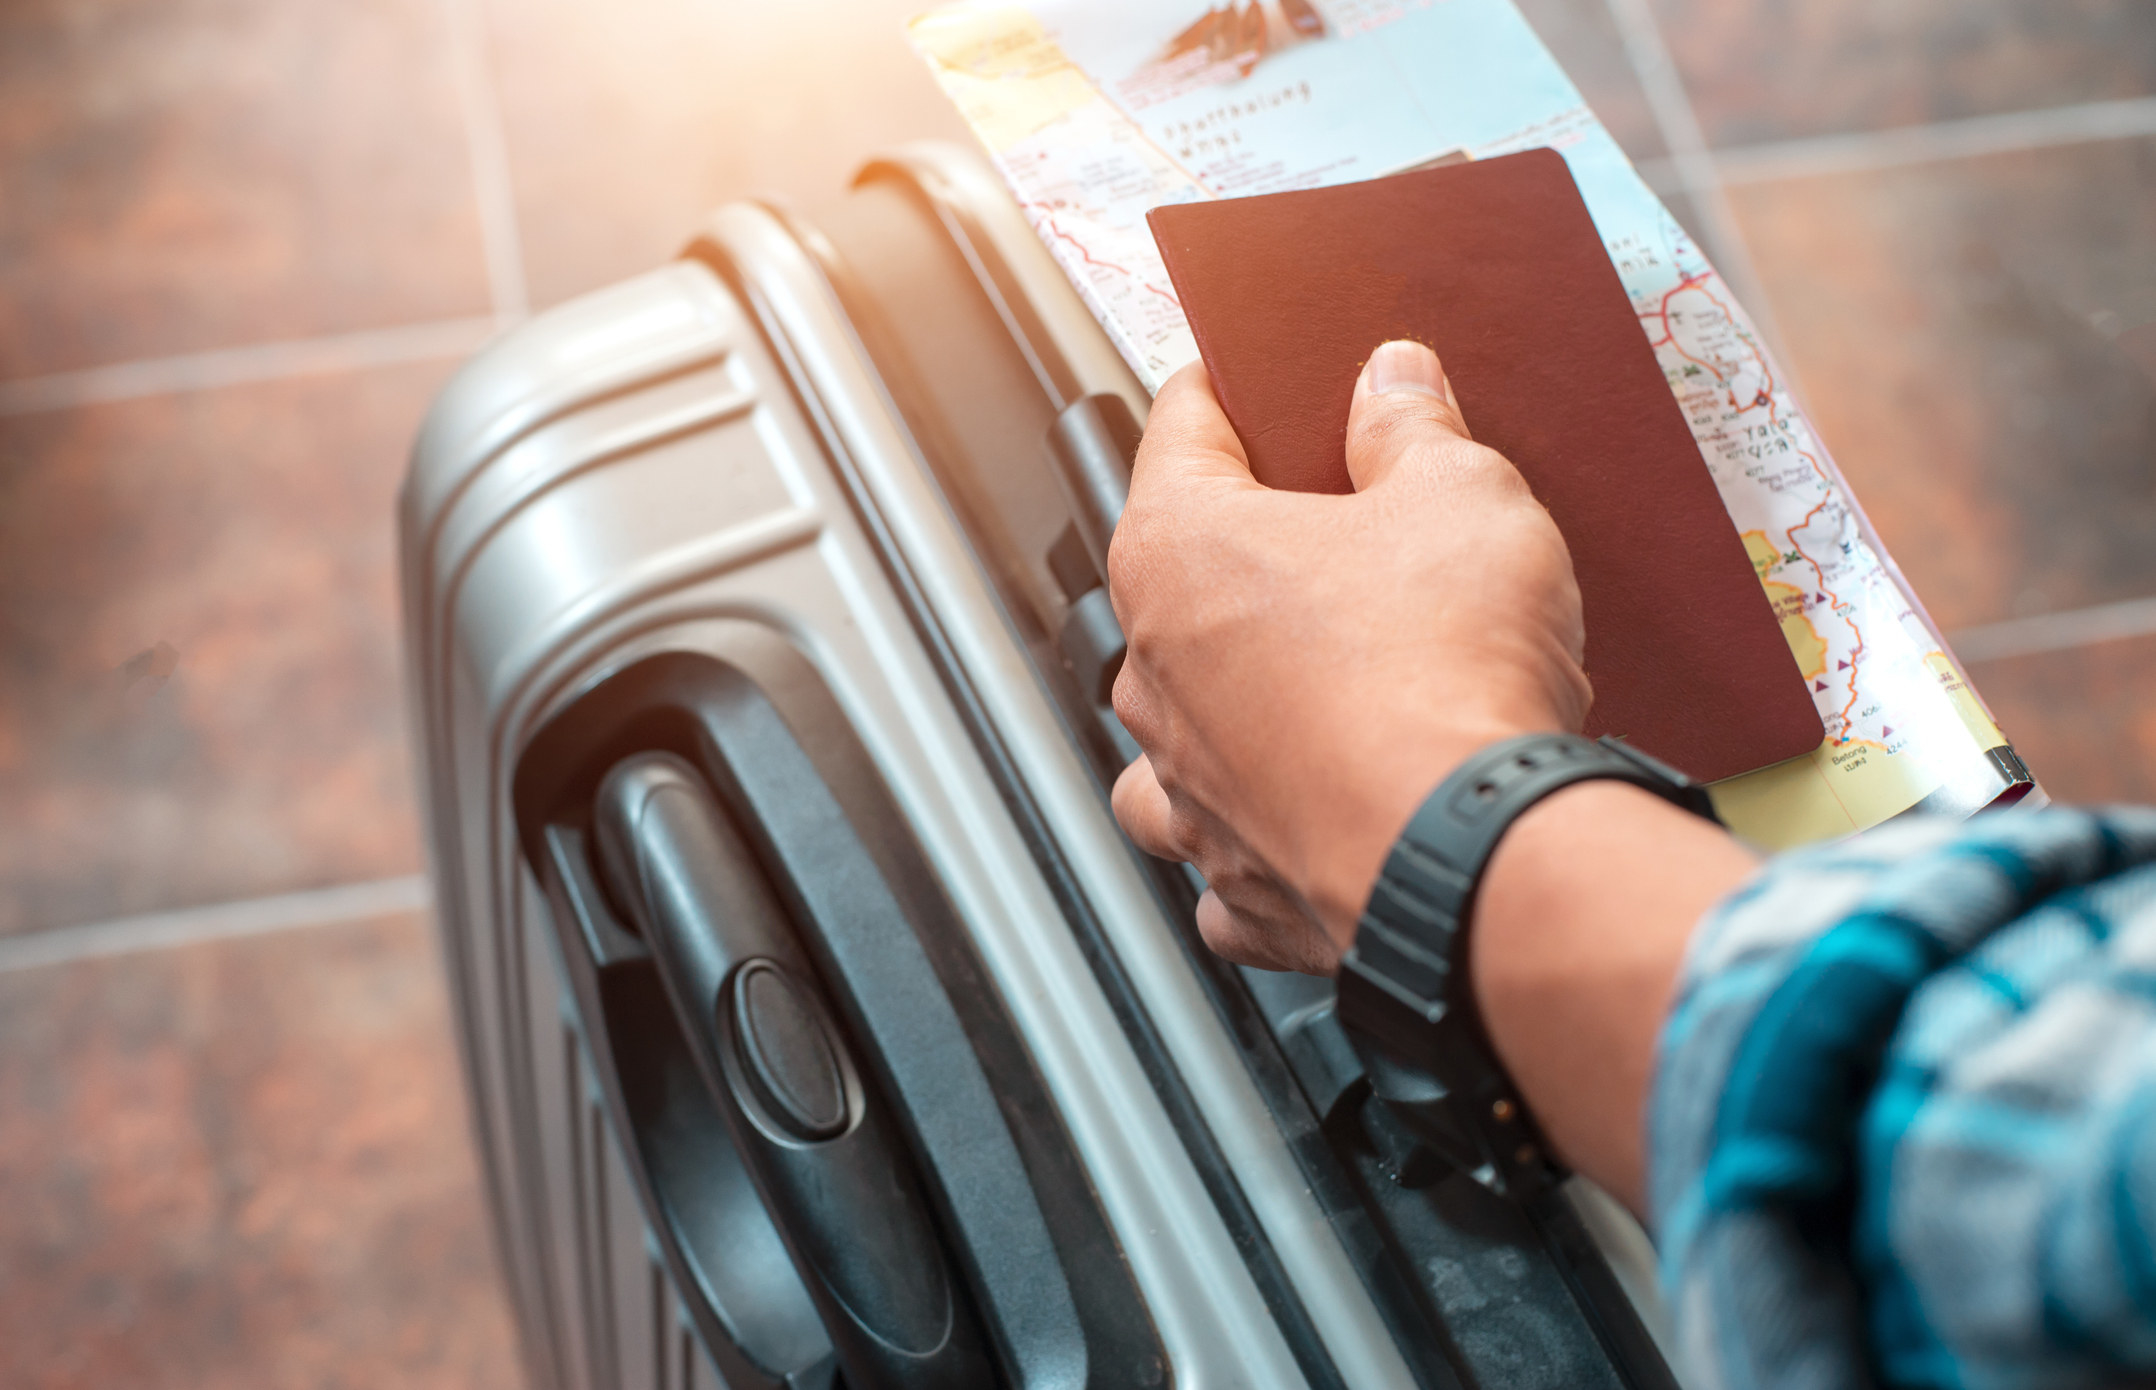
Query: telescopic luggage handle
1093	443
820	1146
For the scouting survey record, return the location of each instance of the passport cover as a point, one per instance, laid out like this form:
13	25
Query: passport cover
1497	265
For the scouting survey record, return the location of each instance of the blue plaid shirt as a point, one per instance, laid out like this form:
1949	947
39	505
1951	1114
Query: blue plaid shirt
1903	1129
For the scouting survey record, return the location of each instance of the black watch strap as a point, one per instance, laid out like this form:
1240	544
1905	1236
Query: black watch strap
1404	991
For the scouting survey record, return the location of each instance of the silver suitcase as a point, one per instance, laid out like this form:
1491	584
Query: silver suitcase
820	1027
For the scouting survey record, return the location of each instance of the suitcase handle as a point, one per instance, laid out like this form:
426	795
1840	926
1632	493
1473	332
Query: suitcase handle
1093	442
820	1146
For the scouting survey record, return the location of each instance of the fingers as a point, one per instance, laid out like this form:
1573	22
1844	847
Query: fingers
1266	926
1189	451
1188	436
1404	409
1142	809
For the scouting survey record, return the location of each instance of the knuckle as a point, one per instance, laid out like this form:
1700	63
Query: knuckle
1483	464
1224	935
1583	692
1125	795
1459	469
1392	425
1135	556
1130	704
1408	419
1123	548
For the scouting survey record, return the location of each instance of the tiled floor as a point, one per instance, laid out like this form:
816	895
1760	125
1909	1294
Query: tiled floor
626	122
200	173
244	532
2082	717
1959	365
236	1163
1777	69
242	242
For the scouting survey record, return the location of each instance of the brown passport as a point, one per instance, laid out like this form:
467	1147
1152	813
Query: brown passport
1497	265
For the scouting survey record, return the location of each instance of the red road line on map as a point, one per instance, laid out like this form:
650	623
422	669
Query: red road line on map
1766	372
1765	397
1090	259
1685	282
1832	597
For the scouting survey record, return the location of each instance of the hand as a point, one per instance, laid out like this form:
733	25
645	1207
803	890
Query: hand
1304	668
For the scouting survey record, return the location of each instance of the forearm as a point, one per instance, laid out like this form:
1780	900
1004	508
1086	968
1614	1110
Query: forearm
1578	935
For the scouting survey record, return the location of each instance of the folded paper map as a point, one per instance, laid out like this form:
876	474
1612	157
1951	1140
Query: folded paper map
1098	111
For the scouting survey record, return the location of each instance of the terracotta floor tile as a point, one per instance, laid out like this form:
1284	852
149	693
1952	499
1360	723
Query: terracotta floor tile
628	122
626	125
240	1164
199	655
190	174
2084	720
1773	69
1964	336
1686	211
1584	38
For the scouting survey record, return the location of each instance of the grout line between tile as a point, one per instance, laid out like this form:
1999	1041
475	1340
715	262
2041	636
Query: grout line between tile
197	371
318	907
1896	147
487	145
2056	632
1695	163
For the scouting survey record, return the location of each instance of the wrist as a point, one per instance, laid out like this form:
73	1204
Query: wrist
1350	841
1408	987
1584	915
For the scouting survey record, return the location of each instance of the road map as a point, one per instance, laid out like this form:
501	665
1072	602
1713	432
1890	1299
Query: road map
1096	111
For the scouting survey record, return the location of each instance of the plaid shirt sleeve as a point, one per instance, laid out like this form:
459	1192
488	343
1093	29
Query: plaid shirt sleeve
1903	1128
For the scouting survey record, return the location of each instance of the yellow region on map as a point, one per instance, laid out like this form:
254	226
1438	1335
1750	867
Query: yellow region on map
1008	78
1804	640
1839	789
1966	704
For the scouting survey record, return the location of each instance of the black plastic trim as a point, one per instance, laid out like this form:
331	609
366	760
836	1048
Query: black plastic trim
743	710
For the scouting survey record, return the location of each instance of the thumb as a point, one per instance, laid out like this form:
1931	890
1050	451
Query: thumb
1403	406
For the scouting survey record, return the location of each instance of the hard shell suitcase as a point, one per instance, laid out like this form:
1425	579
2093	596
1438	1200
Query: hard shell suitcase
820	1026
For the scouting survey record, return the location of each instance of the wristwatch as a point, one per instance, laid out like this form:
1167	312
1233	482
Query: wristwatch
1404	990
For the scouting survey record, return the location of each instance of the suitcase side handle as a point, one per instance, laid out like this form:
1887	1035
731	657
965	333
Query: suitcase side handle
802	805
733	1272
819	1144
